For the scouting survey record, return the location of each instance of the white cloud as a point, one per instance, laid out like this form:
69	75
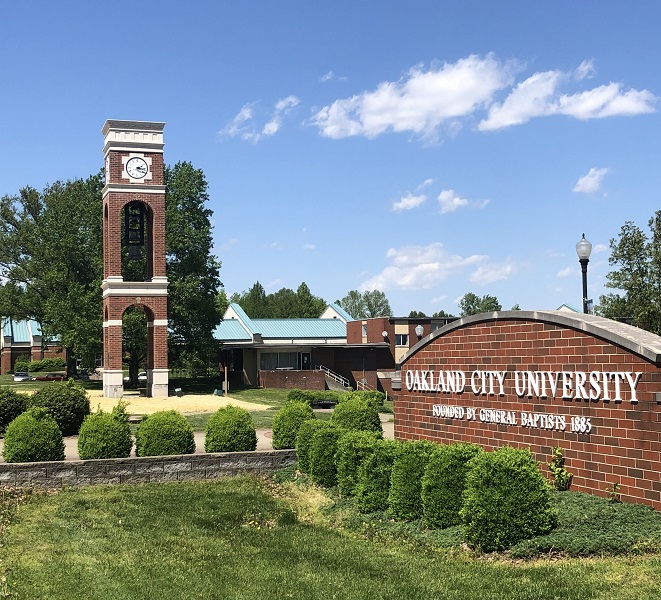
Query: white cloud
585	70
243	124
591	182
424	184
419	267
449	202
540	95
598	248
327	77
568	272
408	202
486	274
420	102
309	247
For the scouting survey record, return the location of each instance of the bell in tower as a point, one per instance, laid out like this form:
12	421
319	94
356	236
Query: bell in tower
134	229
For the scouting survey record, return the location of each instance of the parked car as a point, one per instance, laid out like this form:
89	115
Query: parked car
142	376
51	377
22	376
83	375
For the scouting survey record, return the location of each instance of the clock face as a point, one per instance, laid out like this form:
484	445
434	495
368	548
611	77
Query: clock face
136	167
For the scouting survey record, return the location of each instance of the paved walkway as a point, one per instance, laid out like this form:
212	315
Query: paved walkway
263	440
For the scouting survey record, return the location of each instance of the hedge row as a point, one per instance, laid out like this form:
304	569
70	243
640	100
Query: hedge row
499	497
36	434
372	397
45	364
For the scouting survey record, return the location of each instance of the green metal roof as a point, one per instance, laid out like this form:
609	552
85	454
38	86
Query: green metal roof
231	330
300	328
243	328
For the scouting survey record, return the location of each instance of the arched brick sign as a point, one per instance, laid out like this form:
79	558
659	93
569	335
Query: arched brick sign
536	380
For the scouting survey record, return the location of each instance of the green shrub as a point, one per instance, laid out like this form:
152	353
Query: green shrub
352	448
323	446
47	364
372	397
506	500
105	435
373	483
12	404
405	498
287	422
296	395
561	477
309	396
33	436
444	482
358	415
67	402
22	364
164	433
230	429
304	440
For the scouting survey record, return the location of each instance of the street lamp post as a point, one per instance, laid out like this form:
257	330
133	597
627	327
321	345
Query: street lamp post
583	250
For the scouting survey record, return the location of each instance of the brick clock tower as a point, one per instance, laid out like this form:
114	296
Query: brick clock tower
134	228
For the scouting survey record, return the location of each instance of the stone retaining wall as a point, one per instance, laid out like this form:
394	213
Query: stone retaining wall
150	469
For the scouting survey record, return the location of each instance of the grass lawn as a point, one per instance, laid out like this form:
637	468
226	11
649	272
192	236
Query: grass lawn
263	419
242	539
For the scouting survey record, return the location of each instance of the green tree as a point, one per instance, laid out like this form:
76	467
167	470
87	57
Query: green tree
416	314
51	261
253	302
281	303
222	302
193	271
470	304
638	274
367	305
353	304
308	306
441	314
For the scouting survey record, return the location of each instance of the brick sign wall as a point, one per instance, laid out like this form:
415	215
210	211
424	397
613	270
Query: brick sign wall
542	379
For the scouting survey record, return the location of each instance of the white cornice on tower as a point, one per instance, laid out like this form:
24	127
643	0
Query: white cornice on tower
132	135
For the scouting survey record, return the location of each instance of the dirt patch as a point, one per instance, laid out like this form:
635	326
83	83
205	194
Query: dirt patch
189	403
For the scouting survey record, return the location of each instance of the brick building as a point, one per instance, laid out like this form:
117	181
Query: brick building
24	340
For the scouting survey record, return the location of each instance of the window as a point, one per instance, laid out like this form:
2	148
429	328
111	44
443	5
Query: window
270	361
364	330
401	339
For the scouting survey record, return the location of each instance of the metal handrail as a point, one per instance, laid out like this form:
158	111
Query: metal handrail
335	377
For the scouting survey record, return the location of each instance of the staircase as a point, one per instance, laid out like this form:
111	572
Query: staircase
335	381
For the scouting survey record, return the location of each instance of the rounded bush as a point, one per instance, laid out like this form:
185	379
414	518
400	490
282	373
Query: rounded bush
444	482
323	446
506	500
373	484
12	404
67	402
304	441
105	435
352	448
22	365
372	397
164	433
405	498
33	436
230	429
358	415
287	422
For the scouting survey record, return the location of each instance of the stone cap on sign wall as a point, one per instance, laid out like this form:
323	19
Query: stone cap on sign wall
637	341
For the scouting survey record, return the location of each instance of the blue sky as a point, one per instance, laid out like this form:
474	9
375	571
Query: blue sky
424	148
